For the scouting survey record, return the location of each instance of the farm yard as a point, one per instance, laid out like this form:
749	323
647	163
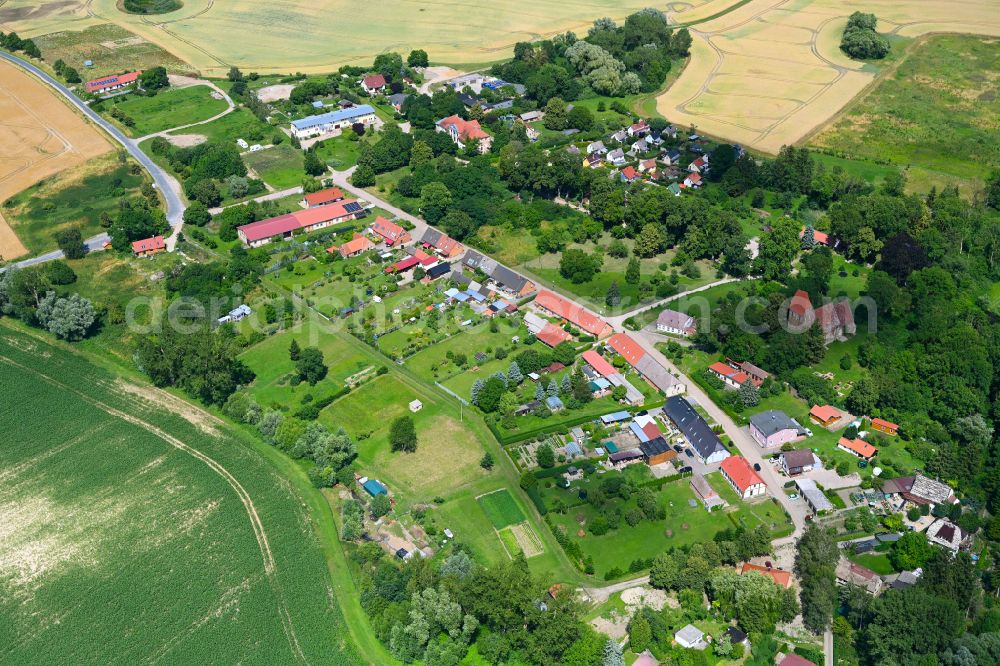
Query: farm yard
935	114
103	508
765	76
38	145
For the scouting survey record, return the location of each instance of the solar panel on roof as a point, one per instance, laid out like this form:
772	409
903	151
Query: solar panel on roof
352	207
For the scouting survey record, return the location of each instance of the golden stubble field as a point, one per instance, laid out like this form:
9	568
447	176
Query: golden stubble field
318	35
769	73
40	135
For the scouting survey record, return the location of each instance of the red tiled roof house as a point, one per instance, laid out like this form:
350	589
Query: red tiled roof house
373	84
582	318
263	232
390	232
149	246
323	197
111	83
742	477
463	132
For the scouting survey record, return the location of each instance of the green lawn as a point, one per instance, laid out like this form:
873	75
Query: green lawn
269	359
433	363
279	166
72	199
167	109
340	152
501	509
240	124
683	525
447	454
698	305
877	562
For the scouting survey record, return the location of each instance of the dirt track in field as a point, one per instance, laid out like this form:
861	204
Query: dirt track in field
770	72
39	136
241	493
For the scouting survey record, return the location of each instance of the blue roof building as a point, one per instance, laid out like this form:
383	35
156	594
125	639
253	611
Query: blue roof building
572	449
332	121
374	488
616	417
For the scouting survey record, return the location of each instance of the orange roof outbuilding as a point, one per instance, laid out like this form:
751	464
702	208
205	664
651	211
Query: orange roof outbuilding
859	447
597	362
779	576
825	412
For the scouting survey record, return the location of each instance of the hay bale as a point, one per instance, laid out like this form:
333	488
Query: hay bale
684	526
581	533
669	533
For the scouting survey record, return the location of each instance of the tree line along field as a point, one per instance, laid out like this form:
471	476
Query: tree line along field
137	531
937	113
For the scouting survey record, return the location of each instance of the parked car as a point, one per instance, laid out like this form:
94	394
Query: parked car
678	448
688	453
684	470
756	466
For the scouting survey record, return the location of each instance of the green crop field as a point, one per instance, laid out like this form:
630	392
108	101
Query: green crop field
501	509
167	109
138	528
937	113
74	198
280	166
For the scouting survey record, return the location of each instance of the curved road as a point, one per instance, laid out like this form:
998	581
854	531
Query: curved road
164	182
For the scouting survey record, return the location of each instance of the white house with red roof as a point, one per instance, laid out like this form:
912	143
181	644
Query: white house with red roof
373	84
699	165
463	132
629	174
742	477
640	128
693	181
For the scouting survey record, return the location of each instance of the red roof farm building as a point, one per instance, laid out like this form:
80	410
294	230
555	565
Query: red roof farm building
263	232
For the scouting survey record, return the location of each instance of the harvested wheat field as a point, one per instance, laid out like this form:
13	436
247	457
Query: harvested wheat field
319	35
39	136
770	73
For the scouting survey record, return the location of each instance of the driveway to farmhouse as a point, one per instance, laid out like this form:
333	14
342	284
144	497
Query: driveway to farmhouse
341	180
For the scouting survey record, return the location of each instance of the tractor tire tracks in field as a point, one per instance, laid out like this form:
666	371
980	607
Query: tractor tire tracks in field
258	527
